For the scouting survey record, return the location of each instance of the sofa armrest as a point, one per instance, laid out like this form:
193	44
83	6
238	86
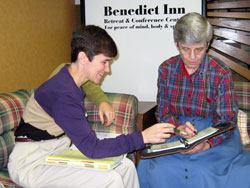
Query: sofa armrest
146	115
12	105
125	106
145	118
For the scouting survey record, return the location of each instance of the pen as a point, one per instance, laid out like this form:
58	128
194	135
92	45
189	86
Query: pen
180	132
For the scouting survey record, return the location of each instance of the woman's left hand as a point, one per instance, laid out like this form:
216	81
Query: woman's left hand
199	148
106	113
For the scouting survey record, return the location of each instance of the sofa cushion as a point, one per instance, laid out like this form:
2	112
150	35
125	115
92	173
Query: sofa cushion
5	180
242	124
125	107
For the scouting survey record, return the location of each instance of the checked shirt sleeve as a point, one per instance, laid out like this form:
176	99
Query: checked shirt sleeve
226	108
163	113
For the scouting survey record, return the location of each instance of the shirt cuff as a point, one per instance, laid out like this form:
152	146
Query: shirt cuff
210	142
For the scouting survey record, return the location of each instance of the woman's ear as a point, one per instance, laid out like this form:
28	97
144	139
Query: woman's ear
82	57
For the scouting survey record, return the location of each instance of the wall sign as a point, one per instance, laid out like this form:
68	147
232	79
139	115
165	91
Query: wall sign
143	32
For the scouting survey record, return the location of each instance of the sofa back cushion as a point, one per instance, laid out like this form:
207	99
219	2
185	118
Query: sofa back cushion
242	90
11	109
125	106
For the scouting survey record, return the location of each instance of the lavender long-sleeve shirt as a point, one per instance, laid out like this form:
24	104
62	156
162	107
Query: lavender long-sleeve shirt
63	101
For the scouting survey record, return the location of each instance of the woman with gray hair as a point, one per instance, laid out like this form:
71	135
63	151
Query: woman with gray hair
195	91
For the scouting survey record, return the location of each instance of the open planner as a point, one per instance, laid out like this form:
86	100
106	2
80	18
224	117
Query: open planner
155	150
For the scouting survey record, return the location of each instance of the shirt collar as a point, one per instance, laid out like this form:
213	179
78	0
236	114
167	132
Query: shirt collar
78	90
201	71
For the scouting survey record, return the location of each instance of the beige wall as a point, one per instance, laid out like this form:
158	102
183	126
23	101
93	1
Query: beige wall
34	39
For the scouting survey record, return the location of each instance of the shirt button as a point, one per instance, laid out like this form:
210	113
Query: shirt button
186	170
186	177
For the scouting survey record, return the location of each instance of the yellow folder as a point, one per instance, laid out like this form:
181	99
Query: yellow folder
74	158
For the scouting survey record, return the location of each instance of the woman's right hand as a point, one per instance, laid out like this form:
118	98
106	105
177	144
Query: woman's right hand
189	129
158	133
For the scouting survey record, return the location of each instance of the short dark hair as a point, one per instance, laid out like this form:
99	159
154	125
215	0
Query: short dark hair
92	40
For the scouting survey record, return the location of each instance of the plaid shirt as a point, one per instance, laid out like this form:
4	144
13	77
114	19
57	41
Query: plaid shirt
207	92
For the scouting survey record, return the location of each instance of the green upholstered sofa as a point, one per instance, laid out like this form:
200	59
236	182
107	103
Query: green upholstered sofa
11	109
12	105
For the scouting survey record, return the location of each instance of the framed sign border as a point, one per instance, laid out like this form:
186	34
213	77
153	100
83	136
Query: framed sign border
83	17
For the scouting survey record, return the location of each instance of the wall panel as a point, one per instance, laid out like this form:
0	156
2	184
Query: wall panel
35	38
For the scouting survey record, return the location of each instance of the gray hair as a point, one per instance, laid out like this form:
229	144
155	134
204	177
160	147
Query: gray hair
193	28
